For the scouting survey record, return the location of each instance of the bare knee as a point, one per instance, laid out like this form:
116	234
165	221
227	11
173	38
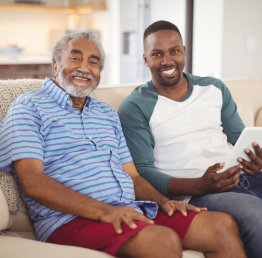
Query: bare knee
153	241
226	228
212	231
164	237
226	234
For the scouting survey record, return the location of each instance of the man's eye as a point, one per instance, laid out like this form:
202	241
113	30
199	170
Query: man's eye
155	54
75	59
94	62
175	51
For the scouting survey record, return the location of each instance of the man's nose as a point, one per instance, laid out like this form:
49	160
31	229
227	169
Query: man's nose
167	60
84	67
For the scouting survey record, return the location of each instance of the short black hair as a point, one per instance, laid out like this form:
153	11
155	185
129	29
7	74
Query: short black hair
161	25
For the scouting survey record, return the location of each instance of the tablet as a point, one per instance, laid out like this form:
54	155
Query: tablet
248	135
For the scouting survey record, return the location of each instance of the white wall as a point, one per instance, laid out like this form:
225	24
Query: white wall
227	38
111	42
242	39
169	10
207	38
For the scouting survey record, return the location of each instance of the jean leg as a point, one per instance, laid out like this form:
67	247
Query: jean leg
247	211
250	185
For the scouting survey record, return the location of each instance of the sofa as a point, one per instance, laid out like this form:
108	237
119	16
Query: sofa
17	237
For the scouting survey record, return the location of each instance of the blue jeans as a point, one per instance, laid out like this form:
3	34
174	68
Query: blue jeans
244	203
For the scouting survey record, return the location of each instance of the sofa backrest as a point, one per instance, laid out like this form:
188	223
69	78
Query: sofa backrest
11	89
247	94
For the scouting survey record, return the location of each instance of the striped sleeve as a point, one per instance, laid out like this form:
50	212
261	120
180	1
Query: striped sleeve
123	150
20	136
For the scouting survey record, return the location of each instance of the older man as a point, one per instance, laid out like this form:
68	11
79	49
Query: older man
77	176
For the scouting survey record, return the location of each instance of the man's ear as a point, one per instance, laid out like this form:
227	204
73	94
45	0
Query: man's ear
55	69
145	59
184	49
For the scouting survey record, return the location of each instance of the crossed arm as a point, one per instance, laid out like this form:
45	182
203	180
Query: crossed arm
45	190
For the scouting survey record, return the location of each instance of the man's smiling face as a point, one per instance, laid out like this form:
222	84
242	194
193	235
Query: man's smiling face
165	56
78	71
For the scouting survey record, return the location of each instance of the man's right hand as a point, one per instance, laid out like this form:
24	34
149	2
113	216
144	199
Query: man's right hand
212	181
118	214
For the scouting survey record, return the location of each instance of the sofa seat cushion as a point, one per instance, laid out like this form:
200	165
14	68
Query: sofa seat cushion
22	234
23	248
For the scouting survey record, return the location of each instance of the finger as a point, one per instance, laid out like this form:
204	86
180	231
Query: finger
215	167
257	149
229	183
181	207
228	188
141	217
254	157
169	209
129	222
249	167
230	172
117	226
249	171
191	207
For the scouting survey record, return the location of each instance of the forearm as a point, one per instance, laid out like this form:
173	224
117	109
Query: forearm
156	178
47	191
145	191
185	186
56	196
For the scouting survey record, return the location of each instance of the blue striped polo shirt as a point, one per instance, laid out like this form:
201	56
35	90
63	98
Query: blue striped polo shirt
82	150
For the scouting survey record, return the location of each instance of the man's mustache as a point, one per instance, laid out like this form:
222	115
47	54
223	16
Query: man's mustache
88	76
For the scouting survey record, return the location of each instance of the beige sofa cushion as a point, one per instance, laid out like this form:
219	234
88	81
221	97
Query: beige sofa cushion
258	117
11	89
5	219
24	248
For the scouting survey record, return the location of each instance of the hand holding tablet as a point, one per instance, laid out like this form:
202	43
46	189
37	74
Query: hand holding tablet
248	135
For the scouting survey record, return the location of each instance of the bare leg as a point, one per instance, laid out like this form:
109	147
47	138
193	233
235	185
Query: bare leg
153	241
216	235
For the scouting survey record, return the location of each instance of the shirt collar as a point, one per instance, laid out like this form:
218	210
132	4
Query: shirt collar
58	95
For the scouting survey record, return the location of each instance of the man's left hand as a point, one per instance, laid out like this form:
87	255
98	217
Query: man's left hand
170	206
253	166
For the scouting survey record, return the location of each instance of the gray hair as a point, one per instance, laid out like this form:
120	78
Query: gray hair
62	43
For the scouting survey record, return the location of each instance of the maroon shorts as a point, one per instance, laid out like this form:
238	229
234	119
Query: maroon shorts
102	236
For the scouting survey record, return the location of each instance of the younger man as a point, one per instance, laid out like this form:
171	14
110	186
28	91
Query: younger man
179	127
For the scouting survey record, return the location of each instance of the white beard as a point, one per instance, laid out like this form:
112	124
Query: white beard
77	91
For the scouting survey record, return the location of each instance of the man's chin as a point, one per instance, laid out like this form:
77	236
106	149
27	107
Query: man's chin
79	93
169	82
